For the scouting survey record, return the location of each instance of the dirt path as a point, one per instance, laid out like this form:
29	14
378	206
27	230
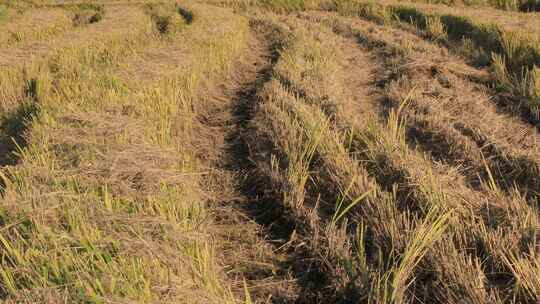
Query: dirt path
360	69
260	235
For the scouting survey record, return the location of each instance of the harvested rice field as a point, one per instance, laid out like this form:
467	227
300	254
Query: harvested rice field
269	151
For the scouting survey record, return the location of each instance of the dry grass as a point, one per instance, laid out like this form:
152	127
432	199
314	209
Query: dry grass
323	189
507	5
109	166
395	166
380	168
513	54
35	25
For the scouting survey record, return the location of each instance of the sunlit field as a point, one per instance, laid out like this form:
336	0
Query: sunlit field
269	151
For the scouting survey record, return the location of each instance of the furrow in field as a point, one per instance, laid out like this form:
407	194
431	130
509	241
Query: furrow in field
250	249
109	201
